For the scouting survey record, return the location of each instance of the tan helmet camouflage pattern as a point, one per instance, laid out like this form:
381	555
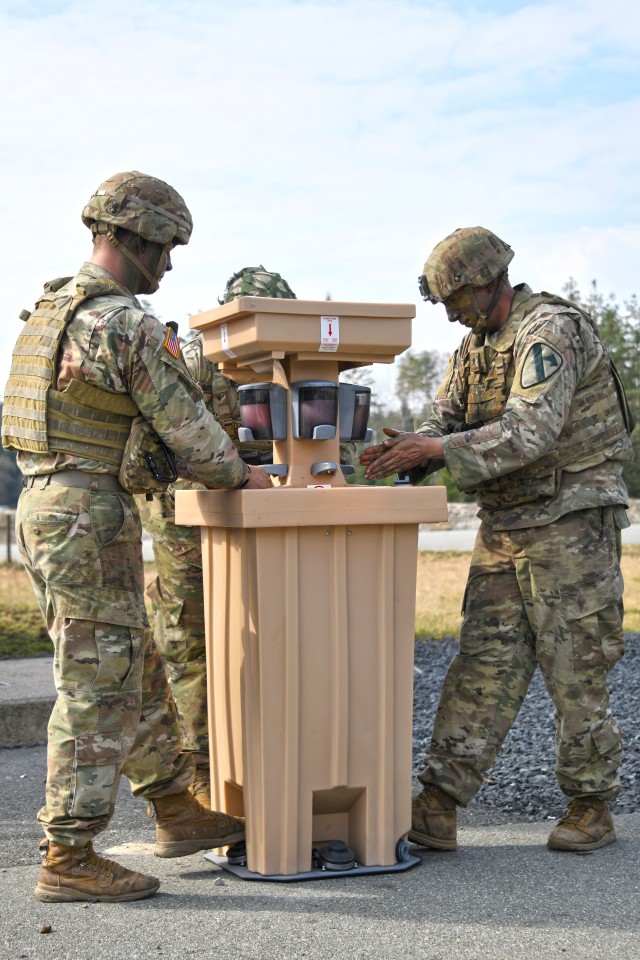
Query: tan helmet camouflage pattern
468	257
141	204
257	282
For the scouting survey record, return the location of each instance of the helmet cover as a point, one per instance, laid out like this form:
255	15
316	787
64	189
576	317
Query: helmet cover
468	257
142	204
257	282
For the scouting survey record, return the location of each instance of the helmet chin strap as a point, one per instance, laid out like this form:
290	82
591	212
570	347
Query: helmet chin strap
153	279
481	323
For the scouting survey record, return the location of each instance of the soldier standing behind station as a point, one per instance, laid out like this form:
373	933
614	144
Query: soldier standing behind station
177	591
532	418
96	388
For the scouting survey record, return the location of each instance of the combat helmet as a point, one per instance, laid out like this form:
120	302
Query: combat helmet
468	257
256	282
143	205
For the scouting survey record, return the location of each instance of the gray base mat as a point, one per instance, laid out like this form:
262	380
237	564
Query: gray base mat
245	874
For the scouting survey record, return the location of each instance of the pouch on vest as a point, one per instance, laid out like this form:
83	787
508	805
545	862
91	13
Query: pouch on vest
147	464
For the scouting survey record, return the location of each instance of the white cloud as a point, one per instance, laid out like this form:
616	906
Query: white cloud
335	142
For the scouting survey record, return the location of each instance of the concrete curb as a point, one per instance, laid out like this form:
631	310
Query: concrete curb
27	696
23	723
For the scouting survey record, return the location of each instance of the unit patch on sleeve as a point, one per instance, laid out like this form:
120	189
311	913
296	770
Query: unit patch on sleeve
172	343
540	363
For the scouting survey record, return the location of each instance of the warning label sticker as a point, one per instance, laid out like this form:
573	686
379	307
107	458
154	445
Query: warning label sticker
329	334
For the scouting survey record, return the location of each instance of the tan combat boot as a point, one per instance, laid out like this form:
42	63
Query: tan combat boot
201	786
433	819
79	873
586	825
184	827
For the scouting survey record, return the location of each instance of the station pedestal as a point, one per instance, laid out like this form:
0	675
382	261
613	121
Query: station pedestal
310	620
310	601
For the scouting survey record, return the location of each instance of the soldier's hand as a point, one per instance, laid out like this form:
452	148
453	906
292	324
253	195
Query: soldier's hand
372	453
259	479
399	453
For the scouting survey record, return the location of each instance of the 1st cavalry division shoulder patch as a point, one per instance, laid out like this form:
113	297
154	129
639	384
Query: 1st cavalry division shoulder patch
540	363
172	343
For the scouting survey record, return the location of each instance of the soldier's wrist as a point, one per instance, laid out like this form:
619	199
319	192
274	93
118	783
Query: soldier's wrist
246	476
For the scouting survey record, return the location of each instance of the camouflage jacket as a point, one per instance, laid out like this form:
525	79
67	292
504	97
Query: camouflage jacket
117	347
550	437
220	393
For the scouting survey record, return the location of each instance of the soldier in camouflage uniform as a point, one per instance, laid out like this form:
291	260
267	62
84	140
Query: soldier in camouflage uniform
531	417
89	370
177	591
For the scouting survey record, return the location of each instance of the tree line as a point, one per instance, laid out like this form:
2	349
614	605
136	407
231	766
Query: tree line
419	373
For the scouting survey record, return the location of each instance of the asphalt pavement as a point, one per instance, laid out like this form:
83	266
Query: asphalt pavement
502	896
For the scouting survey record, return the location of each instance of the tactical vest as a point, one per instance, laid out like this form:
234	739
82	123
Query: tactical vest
225	404
83	420
598	416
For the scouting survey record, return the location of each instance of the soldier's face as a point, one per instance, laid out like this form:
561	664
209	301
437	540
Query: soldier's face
462	307
469	306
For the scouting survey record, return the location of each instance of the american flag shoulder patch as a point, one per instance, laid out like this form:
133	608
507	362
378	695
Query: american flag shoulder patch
172	343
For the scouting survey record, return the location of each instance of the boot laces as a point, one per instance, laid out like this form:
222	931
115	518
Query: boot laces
578	809
96	865
200	783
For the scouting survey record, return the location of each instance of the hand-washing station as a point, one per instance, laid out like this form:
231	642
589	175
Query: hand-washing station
310	598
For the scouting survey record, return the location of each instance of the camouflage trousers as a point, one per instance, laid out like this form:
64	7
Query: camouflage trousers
178	605
547	596
114	712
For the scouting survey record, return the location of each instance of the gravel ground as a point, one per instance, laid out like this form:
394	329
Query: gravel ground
521	785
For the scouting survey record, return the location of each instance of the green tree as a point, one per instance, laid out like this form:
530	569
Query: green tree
379	416
419	375
363	376
619	327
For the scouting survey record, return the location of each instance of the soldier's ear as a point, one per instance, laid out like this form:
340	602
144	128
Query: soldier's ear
129	239
492	286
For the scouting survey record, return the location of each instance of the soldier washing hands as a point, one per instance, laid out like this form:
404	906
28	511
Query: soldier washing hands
177	591
89	370
532	419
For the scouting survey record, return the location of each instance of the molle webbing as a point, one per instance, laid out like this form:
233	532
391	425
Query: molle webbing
35	360
225	405
33	366
226	409
85	421
594	423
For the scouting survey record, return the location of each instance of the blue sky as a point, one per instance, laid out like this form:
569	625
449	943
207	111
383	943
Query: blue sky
335	142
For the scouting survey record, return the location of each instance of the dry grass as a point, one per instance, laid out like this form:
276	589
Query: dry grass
441	583
22	629
631	572
439	592
440	587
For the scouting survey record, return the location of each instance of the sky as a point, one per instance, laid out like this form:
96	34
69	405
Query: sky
333	141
